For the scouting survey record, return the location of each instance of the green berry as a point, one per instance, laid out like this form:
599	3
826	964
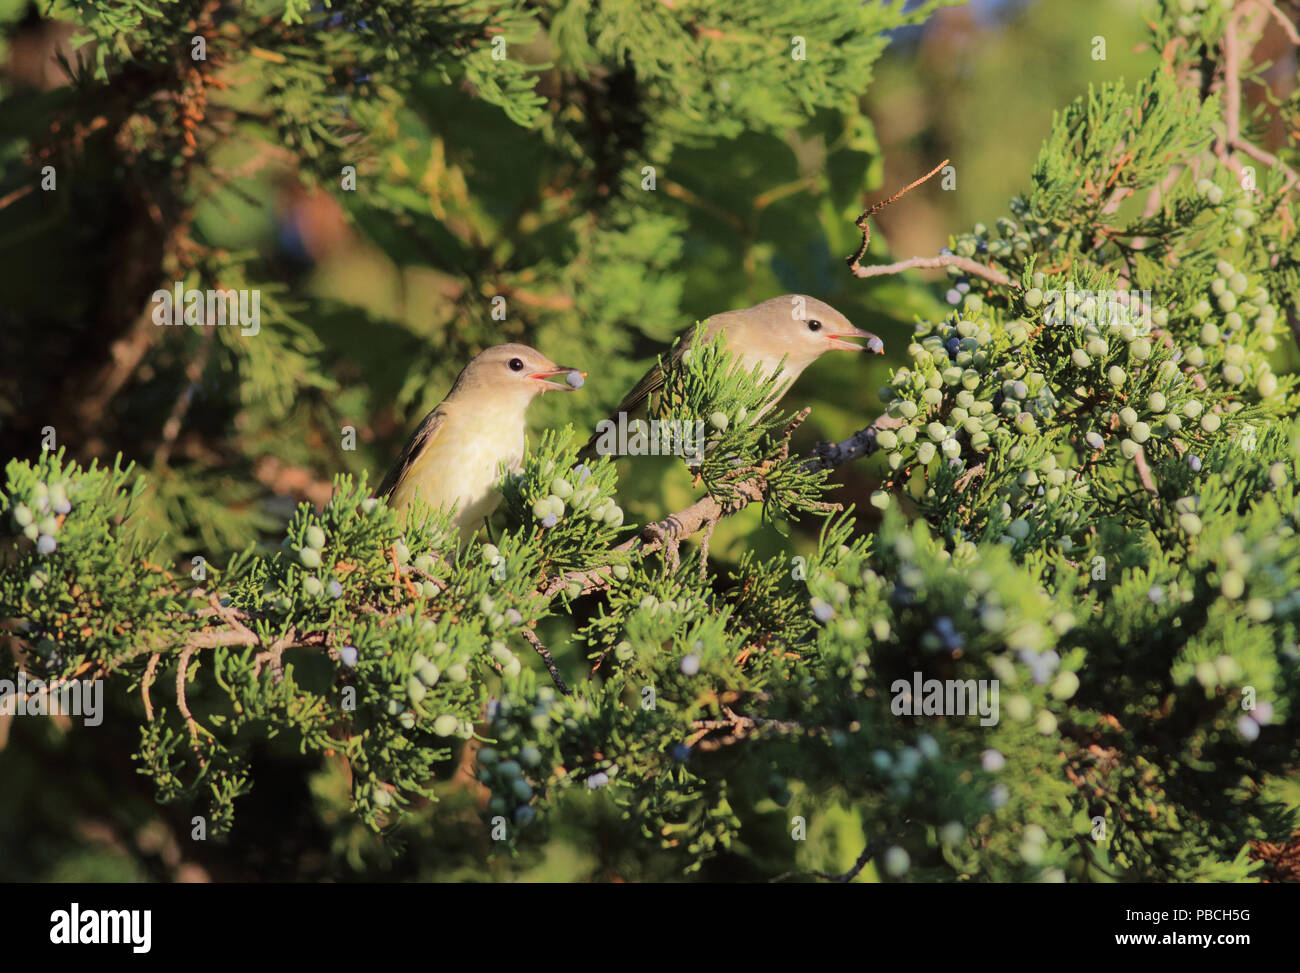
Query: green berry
309	557
446	725
1065	685
1210	422
315	537
416	690
1233	585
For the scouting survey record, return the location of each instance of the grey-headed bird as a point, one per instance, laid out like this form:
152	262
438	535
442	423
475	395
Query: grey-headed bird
793	327
454	458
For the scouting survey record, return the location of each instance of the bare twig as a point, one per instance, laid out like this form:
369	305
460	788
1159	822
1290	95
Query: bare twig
14	196
862	221
183	704
861	443
545	653
149	672
1287	26
193	374
1144	474
930	263
704	549
868	853
668	533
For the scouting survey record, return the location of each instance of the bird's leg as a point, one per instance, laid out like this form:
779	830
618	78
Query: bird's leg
487	526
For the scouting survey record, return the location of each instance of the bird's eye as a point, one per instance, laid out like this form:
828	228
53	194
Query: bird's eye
814	325
516	364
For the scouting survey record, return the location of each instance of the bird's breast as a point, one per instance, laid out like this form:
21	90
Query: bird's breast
462	466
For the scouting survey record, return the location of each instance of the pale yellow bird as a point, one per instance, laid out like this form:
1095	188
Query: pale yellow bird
791	331
454	459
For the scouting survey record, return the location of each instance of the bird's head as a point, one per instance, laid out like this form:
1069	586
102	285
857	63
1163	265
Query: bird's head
798	327
516	371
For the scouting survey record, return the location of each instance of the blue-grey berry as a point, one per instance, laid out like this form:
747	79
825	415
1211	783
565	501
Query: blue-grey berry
992	761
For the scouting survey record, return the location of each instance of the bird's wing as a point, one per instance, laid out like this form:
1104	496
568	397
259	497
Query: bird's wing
415	446
651	382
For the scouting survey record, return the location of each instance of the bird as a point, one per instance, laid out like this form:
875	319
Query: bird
791	331
454	458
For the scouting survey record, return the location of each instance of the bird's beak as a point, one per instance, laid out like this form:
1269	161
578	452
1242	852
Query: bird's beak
569	385
873	344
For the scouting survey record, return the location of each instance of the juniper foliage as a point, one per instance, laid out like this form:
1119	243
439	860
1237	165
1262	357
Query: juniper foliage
1087	503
